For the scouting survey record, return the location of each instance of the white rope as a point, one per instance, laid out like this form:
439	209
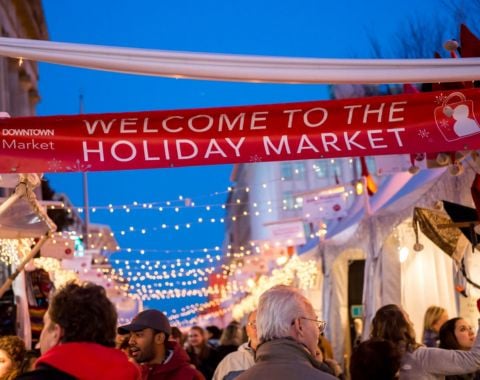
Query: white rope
243	68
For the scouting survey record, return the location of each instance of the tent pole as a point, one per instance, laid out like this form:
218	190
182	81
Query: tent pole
24	262
20	191
8	202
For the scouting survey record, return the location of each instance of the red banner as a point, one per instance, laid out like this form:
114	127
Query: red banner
414	123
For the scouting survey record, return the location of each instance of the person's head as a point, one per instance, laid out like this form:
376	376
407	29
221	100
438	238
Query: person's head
284	312
392	323
231	335
79	313
251	329
196	337
177	335
434	318
12	353
456	334
149	332
213	332
375	359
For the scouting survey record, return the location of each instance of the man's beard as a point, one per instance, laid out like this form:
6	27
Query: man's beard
144	355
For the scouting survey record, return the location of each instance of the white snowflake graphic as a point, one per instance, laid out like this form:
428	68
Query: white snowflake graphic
423	133
54	165
444	123
255	158
78	167
439	99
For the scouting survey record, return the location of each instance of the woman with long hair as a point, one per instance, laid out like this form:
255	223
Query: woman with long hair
202	356
375	359
231	339
457	334
434	318
12	352
418	362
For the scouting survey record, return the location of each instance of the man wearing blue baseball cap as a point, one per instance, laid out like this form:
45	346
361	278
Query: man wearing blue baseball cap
149	346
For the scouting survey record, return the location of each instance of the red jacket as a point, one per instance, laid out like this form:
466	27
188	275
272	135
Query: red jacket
88	361
176	368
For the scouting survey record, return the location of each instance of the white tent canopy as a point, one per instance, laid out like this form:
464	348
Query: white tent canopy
377	237
21	216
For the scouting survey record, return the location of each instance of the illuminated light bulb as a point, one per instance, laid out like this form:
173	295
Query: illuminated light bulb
403	254
359	188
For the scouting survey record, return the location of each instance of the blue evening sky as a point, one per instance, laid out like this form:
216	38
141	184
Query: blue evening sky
301	28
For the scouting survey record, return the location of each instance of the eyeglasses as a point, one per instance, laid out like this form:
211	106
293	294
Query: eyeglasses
320	324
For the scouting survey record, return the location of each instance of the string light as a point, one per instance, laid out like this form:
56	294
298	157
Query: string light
58	275
302	273
144	277
175	227
182	203
12	250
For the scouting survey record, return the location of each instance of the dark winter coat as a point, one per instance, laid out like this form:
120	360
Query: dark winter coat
284	359
177	367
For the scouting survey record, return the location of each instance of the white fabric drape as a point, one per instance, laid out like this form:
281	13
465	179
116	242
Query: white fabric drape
337	313
243	68
24	329
426	279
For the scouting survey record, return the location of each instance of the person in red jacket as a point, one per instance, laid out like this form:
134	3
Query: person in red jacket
78	338
149	346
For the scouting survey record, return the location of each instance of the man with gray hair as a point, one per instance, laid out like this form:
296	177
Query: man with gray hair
288	331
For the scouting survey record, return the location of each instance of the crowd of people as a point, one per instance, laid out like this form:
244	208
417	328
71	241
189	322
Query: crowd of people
282	339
